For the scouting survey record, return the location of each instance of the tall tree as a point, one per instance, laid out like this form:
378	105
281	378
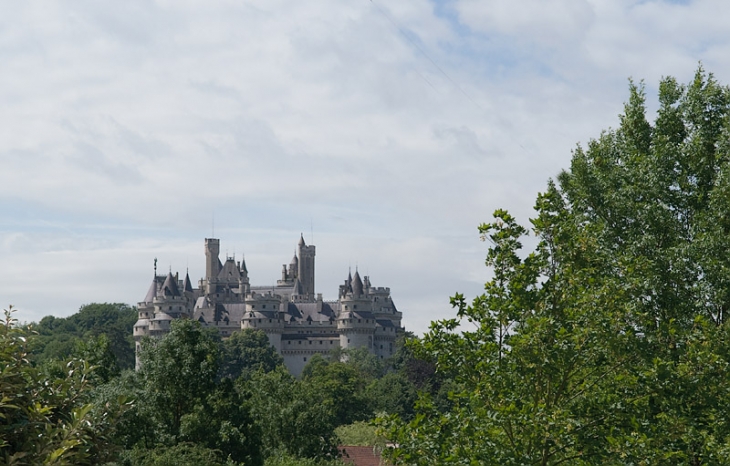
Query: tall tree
185	399
607	343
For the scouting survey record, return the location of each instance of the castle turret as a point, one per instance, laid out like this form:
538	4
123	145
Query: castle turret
212	263
262	313
305	267
356	323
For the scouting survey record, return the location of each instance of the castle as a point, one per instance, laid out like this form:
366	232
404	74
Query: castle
298	322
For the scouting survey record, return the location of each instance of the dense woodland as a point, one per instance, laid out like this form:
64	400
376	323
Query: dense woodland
607	343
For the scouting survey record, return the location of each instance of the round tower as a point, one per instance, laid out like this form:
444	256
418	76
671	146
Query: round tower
262	313
355	323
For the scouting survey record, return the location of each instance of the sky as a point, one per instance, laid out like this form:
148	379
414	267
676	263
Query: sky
383	131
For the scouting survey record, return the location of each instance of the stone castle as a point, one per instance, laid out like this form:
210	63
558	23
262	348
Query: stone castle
297	321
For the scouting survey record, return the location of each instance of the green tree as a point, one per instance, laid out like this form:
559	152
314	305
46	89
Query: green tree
97	352
46	417
179	372
339	387
185	401
182	454
608	343
248	351
58	337
292	420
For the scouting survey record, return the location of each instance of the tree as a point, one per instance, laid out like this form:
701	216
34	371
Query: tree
185	400
246	352
607	343
58	337
339	387
290	415
179	371
46	415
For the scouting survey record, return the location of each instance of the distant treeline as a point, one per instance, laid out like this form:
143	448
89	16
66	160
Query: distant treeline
59	337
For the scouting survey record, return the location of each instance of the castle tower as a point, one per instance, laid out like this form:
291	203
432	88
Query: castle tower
212	262
356	323
305	267
262	313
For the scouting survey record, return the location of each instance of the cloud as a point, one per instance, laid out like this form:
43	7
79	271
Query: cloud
393	129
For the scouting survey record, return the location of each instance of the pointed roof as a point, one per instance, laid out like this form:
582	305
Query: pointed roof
357	288
187	286
170	288
152	292
301	240
297	289
243	265
229	271
294	260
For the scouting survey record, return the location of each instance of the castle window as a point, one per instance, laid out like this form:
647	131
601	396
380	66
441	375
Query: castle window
305	359
346	308
359	321
331	342
300	342
269	320
381	346
320	342
355	306
264	306
310	342
259	320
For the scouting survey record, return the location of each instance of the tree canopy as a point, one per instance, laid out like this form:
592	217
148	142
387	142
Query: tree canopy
607	343
46	414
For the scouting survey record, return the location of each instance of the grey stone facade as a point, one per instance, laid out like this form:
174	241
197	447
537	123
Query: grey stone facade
298	322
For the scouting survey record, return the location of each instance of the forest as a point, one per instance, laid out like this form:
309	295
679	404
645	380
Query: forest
606	343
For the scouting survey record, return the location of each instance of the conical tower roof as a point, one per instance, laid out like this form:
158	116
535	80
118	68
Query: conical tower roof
297	288
357	287
170	288
152	292
188	286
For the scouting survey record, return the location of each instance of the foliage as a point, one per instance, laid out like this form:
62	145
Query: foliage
339	387
286	460
46	417
292	420
179	371
607	343
182	454
58	337
183	400
97	351
246	352
393	393
359	434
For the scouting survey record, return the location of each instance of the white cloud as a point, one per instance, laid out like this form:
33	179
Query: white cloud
394	128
